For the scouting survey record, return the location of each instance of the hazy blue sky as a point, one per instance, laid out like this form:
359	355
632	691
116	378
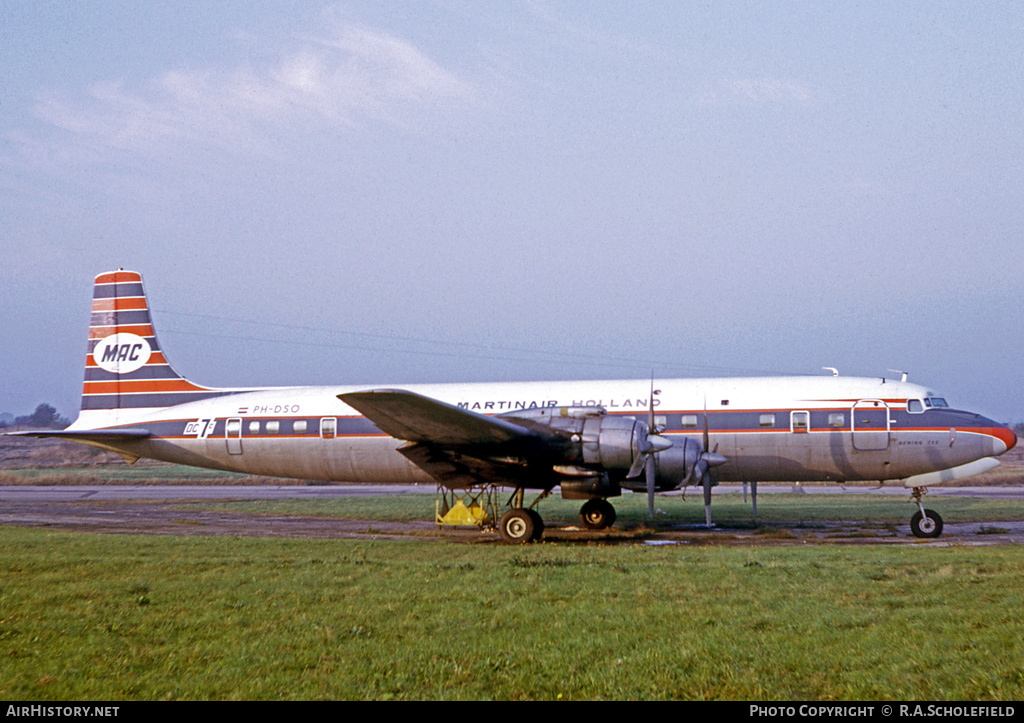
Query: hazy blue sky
368	192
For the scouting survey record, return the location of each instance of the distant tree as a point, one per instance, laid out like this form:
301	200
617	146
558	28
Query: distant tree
45	417
1019	429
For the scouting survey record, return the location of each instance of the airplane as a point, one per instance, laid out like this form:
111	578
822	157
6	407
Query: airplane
590	440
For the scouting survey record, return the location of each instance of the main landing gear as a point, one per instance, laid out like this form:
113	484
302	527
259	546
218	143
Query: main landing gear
597	514
924	523
521	525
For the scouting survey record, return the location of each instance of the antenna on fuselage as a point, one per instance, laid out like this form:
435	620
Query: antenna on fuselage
835	372
903	375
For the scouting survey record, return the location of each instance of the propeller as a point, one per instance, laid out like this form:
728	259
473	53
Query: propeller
651	444
701	470
704	467
696	462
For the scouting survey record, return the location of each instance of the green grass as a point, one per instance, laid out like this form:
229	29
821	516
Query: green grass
114	617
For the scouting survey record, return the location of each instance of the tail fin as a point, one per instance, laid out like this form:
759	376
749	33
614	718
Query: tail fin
124	366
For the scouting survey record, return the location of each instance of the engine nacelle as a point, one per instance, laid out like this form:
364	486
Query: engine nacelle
612	443
594	438
599	441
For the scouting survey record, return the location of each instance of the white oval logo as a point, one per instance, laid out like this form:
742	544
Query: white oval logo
121	353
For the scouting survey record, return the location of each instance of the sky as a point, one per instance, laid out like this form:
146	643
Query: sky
387	193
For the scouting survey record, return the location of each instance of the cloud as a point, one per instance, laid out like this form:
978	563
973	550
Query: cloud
351	76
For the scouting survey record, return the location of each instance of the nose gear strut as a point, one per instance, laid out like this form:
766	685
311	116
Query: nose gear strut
924	523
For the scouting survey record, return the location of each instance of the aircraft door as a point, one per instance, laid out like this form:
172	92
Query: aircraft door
870	425
233	435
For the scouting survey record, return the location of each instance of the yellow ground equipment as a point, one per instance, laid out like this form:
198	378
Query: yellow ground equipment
468	507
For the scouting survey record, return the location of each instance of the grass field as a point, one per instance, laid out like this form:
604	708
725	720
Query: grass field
128	617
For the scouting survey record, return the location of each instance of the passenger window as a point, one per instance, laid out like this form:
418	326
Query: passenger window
273	427
767	420
254	427
837	419
299	426
800	421
688	421
914	406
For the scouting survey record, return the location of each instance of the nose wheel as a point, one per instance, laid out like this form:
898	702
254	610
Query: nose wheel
924	523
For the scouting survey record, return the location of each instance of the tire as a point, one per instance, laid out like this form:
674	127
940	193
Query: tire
597	514
927	527
517	526
538	524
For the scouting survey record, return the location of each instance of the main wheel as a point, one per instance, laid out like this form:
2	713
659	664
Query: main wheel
538	524
517	526
927	525
597	514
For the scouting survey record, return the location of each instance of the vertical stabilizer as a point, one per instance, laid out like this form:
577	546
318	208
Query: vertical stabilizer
125	368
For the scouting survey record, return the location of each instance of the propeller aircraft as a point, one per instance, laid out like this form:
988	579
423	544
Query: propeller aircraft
590	440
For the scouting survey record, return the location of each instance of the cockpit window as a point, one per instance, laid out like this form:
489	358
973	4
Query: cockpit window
915	406
935	402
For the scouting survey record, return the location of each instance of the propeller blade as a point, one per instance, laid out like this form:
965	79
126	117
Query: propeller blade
650	408
707	497
707	441
637	467
650	487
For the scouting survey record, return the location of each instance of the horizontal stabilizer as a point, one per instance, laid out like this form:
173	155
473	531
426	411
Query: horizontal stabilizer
86	435
108	439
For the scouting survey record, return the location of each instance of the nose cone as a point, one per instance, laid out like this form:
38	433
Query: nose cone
1005	438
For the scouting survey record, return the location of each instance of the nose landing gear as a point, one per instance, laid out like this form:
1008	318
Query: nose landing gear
924	523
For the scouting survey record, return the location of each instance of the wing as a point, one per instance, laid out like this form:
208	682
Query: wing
458	447
416	418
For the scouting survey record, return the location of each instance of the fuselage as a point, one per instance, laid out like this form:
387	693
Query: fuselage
827	428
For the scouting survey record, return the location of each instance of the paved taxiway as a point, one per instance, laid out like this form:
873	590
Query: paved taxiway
69	493
156	509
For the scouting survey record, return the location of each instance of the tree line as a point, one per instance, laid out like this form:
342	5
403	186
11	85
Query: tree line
45	417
